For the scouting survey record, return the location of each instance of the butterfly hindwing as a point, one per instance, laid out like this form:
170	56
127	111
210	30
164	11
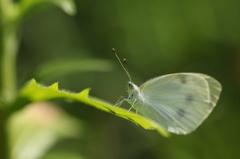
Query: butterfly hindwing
179	102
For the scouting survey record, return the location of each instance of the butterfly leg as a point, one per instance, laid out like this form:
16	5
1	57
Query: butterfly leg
132	105
120	101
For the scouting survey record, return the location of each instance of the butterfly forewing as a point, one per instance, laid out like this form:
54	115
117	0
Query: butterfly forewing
179	102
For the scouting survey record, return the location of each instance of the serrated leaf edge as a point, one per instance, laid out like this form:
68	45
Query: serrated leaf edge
83	96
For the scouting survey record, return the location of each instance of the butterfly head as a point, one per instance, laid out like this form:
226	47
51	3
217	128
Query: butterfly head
132	89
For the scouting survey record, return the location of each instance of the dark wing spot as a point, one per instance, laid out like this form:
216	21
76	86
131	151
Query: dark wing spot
181	112
183	79
189	98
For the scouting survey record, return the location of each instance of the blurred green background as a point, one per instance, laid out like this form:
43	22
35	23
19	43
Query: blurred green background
157	37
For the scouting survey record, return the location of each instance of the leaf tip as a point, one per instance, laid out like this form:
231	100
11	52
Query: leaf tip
54	86
164	133
67	6
84	93
33	81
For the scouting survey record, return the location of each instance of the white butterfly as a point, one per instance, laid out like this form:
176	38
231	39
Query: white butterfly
179	102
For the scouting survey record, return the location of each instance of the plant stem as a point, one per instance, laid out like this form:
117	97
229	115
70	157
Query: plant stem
9	64
9	50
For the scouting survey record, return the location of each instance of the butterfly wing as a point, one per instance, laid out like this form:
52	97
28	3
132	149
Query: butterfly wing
179	102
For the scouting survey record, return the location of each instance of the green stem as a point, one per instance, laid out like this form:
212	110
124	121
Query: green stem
9	64
9	41
8	52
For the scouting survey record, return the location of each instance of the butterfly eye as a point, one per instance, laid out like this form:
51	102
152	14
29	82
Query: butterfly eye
130	85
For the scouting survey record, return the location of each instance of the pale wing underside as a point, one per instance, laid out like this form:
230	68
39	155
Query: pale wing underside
179	102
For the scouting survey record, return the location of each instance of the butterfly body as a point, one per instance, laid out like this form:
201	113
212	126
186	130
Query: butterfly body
134	95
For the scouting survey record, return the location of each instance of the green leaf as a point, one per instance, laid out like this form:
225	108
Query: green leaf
27	6
35	92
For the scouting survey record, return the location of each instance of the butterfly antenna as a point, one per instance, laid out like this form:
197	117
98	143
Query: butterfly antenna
124	67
